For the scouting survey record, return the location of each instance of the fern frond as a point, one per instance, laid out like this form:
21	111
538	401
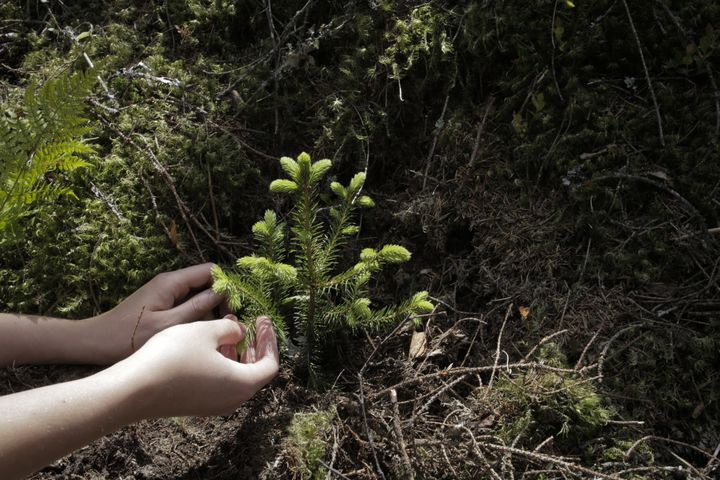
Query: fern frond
41	136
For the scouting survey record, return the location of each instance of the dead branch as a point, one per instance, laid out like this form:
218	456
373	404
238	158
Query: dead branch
497	350
647	73
466	370
541	457
399	435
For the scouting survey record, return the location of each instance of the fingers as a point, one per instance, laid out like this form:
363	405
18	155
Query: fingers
265	340
229	352
226	331
224	308
181	282
197	307
264	360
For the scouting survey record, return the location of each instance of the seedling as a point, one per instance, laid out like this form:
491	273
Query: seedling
299	275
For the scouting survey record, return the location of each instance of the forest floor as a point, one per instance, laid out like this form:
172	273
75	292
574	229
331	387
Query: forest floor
569	244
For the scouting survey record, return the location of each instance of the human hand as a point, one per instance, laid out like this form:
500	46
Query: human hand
193	369
164	301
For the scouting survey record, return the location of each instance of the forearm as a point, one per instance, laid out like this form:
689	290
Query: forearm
33	339
39	426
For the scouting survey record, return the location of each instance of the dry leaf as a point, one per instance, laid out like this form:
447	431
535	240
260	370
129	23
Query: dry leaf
661	176
487	422
173	233
524	312
418	345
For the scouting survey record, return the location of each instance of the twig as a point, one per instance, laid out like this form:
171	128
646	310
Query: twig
582	270
660	186
565	306
647	73
447	460
333	456
281	41
437	300
481	128
171	183
398	434
542	342
497	349
688	465
541	457
716	96
333	470
470	370
603	353
713	457
585	350
362	398
552	58
477	451
543	443
437	394
366	426
110	204
212	204
439	127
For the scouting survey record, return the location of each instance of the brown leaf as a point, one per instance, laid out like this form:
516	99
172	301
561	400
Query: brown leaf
524	312
173	233
418	345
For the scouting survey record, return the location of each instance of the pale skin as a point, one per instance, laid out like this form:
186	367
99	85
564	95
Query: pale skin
181	367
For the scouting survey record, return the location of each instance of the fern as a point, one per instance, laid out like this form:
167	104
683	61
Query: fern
302	288
41	140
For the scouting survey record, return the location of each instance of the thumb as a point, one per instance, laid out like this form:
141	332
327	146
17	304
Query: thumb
196	307
223	332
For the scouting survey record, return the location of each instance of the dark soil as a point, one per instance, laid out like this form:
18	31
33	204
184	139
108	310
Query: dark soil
242	445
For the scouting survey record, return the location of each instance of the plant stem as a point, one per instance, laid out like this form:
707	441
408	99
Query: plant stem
307	226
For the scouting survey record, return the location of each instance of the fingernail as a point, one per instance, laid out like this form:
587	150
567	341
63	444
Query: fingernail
231	317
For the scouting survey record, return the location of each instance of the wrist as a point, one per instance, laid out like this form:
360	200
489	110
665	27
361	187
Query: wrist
109	338
131	389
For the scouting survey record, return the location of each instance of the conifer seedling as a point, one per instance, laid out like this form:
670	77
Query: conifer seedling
298	276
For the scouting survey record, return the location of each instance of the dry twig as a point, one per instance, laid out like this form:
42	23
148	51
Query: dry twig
647	73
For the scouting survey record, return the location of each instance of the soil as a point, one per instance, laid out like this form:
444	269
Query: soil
242	445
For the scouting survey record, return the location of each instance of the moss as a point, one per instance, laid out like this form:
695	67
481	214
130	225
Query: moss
307	443
543	403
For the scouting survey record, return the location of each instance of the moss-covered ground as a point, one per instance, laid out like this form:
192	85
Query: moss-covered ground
555	169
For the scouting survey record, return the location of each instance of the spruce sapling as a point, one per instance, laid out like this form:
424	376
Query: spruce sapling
296	276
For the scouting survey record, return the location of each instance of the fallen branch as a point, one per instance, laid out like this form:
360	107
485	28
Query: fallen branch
647	73
467	370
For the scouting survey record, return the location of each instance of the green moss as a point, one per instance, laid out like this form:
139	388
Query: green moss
307	443
542	403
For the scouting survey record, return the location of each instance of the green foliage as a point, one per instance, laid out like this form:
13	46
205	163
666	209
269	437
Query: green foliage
552	403
307	443
41	141
422	34
79	257
323	298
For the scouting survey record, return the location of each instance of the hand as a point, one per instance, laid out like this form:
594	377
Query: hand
167	300
193	370
179	371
